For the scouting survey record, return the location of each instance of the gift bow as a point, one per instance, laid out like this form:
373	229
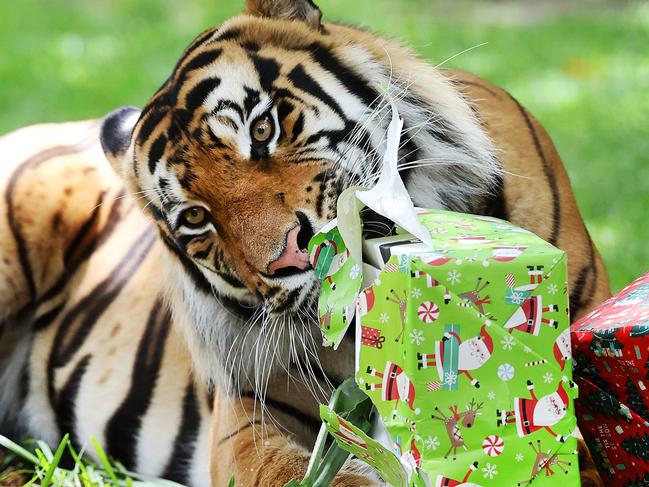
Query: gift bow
389	198
375	342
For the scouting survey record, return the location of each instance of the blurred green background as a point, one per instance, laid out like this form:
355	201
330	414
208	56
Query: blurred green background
581	66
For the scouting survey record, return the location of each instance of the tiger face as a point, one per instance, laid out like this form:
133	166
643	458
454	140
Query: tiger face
241	154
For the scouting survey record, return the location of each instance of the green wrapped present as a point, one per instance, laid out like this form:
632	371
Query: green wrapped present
458	322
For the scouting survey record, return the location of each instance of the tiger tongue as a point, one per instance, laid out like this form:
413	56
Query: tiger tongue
292	256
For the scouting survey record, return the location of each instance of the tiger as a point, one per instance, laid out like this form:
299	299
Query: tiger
155	289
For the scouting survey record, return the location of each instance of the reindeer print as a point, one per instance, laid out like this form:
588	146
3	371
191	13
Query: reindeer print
325	319
544	462
451	422
473	297
403	306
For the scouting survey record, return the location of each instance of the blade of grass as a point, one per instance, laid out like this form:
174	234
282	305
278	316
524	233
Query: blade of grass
104	459
78	463
55	461
18	450
45	449
152	480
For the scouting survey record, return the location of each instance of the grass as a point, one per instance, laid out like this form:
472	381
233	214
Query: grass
583	72
38	465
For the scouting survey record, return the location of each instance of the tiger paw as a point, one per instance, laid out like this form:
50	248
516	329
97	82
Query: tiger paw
357	474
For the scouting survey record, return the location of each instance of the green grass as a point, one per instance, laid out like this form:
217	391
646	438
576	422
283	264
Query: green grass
38	465
585	75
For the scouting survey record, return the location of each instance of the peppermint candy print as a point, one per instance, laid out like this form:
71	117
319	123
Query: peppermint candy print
493	445
428	312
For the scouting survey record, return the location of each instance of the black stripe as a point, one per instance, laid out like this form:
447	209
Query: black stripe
315	371
298	127
148	124
306	83
200	281
156	151
123	428
288	301
204	254
197	95
196	43
251	100
284	109
185	442
549	174
238	431
199	61
73	246
495	202
228	35
464	82
64	408
267	70
311	422
46	319
25	376
14	225
576	294
577	299
352	81
114	217
593	266
230	279
229	104
90	308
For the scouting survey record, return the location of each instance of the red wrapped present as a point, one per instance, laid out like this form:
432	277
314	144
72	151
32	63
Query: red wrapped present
372	337
611	351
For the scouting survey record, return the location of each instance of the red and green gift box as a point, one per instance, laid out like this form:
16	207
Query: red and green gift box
611	351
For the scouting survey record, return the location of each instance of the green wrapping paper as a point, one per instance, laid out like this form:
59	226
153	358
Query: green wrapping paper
464	350
462	343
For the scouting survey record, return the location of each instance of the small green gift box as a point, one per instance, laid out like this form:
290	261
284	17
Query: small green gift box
462	335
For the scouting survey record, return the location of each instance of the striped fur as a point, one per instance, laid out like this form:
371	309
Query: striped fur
117	319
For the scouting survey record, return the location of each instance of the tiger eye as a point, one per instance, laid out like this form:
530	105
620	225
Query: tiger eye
194	216
262	129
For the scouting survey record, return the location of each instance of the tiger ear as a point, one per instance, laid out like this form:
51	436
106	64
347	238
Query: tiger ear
115	137
304	10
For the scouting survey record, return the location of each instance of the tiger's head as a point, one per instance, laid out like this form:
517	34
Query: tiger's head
241	154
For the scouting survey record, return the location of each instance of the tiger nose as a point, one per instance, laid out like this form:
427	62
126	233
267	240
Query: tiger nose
294	257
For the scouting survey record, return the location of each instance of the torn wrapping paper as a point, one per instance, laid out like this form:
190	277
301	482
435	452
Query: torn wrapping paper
462	340
611	347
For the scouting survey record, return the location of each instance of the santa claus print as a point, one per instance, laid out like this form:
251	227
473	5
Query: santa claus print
471	354
529	316
472	240
504	253
435	258
431	282
446	482
394	385
326	259
411	457
365	302
562	349
535	414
